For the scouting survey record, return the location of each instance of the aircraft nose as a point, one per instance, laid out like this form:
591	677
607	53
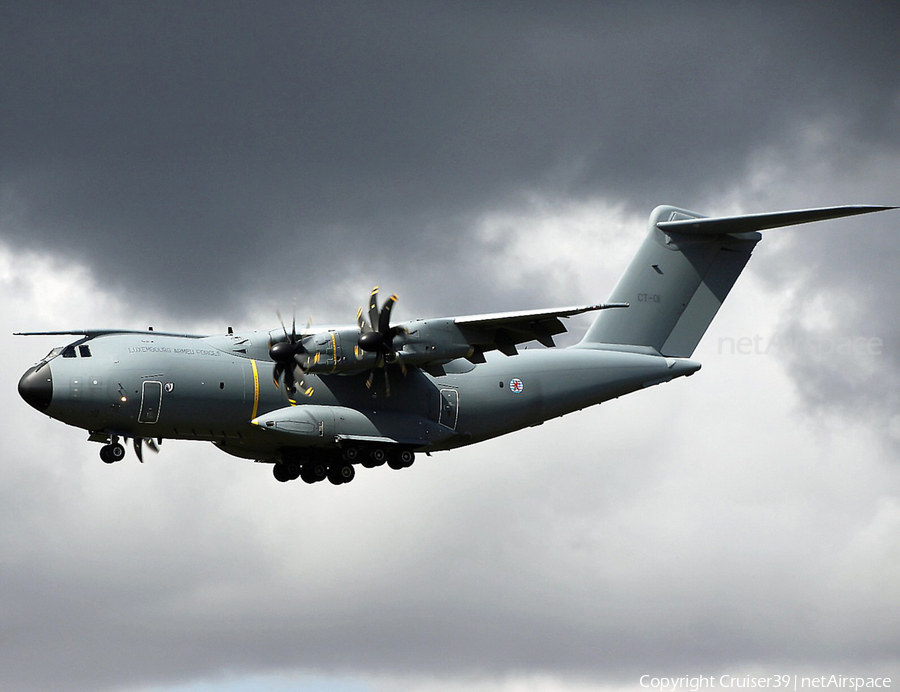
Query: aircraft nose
36	387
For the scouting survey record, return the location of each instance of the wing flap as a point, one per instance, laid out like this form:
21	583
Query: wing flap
505	318
504	331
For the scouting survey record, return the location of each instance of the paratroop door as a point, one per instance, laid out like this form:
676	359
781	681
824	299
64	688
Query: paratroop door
151	401
449	412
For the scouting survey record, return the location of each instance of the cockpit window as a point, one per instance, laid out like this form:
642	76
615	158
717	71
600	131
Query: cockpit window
84	351
69	352
55	352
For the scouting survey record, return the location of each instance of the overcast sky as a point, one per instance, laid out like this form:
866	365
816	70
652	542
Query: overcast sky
196	165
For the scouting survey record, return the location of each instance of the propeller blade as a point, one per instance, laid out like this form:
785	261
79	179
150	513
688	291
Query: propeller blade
361	321
278	312
300	381
289	380
276	373
373	308
151	445
138	450
384	319
304	362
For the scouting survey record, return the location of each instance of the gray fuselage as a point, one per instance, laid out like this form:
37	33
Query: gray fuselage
149	386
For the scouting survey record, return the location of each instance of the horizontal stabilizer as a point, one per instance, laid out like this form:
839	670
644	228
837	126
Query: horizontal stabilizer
747	223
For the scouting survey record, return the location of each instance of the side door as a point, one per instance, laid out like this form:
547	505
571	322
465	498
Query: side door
151	401
449	411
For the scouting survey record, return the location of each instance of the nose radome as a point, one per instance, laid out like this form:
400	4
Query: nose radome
36	387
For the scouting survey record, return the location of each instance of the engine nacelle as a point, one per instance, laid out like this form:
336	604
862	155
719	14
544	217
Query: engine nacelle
420	342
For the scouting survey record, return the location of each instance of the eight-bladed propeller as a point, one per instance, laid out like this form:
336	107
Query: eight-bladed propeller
377	336
290	365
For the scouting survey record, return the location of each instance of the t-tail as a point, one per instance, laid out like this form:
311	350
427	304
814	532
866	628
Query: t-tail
682	273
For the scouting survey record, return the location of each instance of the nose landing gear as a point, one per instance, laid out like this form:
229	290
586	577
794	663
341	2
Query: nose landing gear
112	453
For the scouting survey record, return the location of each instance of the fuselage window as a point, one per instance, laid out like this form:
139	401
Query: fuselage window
84	351
69	352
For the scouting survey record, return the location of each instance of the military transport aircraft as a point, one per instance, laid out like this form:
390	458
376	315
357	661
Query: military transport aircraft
314	403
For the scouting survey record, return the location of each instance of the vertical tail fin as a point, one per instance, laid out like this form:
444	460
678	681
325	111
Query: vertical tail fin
683	272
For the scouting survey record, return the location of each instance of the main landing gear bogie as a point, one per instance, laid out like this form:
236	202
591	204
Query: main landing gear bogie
338	469
313	472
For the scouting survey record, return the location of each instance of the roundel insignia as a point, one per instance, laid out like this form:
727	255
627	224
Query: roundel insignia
170	386
516	386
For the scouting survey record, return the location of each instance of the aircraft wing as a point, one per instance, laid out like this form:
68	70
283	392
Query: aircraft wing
91	333
502	331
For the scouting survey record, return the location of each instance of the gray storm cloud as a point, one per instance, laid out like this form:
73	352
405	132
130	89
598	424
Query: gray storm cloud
230	150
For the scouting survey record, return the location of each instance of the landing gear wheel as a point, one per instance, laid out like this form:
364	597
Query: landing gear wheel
313	473
402	459
350	454
377	457
110	454
283	473
343	473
